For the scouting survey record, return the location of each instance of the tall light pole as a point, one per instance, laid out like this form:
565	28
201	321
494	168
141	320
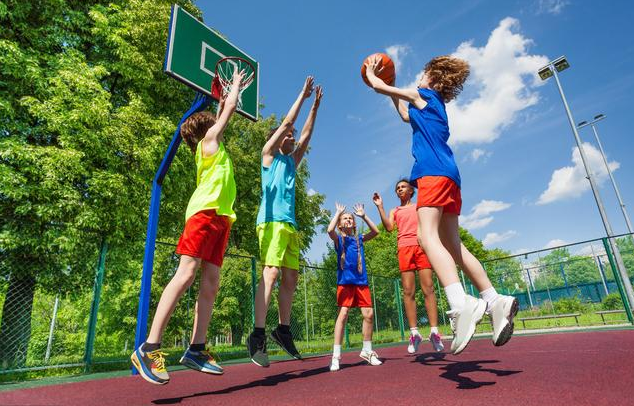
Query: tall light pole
544	73
607	167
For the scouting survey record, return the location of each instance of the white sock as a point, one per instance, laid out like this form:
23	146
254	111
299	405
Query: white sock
336	351
434	330
413	331
489	295
455	295
367	346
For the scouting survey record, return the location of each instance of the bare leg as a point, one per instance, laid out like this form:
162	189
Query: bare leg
450	238
408	280
263	294
209	283
287	290
368	319
429	220
340	324
427	286
182	280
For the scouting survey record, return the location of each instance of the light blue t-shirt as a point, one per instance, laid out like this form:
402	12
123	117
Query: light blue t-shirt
432	155
349	274
278	191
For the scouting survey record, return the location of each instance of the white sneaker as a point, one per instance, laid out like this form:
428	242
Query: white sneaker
502	311
334	364
414	342
463	322
436	342
371	357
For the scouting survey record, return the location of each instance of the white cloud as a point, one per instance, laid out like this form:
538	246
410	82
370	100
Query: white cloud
478	153
397	52
495	238
551	6
570	181
503	81
555	243
480	214
311	192
352	117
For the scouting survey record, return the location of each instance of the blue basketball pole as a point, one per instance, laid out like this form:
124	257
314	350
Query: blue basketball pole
200	103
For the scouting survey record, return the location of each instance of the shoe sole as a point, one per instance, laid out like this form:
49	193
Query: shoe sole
479	314
263	365
192	365
507	331
368	361
137	365
279	343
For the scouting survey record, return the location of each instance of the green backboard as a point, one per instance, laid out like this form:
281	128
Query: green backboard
192	52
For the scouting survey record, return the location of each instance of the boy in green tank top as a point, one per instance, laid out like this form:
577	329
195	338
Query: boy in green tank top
202	245
276	226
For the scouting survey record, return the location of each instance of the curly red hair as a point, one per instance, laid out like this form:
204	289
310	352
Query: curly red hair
446	75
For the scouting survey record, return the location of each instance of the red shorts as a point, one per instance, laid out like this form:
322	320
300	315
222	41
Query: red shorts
353	296
206	236
412	258
439	191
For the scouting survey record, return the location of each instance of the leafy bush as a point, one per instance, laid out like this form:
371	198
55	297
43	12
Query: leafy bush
569	305
612	302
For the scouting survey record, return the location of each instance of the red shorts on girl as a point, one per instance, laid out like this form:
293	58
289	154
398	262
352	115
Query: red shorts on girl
439	191
412	258
353	296
206	236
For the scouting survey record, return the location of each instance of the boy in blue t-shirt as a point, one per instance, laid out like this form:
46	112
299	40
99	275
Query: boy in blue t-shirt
352	279
436	175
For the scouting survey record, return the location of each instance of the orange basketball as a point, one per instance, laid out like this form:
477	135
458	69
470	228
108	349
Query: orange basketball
388	73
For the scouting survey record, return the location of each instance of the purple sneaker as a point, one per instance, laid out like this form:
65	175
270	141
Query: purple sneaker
436	342
414	342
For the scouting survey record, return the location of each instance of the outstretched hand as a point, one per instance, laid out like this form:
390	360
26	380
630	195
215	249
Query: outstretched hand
359	210
307	90
340	207
376	198
318	94
372	66
238	76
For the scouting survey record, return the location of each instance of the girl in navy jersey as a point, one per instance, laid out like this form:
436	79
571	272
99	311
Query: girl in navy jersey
352	279
439	202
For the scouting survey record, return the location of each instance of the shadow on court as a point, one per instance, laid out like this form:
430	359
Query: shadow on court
456	370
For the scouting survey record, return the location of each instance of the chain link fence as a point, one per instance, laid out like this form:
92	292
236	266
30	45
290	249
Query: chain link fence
72	308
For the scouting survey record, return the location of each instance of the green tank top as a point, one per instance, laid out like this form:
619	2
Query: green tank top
215	184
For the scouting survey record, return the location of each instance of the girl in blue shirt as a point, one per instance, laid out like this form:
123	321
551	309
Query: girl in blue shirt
352	279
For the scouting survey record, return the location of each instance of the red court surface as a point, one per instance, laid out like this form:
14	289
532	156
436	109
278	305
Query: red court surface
584	368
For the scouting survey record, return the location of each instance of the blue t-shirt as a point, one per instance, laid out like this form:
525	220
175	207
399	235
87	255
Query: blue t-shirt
278	191
349	274
432	155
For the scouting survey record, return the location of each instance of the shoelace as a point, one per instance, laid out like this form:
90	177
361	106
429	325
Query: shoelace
452	319
158	358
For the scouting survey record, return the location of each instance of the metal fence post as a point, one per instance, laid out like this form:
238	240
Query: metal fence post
399	307
94	307
619	282
305	305
254	276
51	330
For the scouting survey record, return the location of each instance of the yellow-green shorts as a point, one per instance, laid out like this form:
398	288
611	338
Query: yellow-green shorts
279	244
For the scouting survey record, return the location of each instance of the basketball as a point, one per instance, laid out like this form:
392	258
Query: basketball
388	73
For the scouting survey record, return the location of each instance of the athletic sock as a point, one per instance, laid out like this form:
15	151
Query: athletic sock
489	295
149	347
413	331
455	296
259	332
336	350
283	328
367	346
434	330
197	347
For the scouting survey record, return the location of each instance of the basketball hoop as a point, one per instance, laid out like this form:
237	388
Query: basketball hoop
223	81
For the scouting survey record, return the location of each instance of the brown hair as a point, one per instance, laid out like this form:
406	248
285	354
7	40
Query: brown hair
446	75
195	127
342	262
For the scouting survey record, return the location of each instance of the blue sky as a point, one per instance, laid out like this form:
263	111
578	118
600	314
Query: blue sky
523	187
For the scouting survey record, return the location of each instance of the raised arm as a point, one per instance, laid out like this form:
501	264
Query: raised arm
273	144
307	131
379	86
388	222
401	109
214	135
359	210
335	220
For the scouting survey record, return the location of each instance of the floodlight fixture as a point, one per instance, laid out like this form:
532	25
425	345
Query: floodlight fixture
545	72
561	63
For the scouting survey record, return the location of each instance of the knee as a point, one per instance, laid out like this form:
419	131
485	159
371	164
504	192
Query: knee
428	291
409	292
209	287
343	313
269	275
289	280
368	315
185	277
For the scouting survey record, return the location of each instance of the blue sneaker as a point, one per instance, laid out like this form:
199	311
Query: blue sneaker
201	361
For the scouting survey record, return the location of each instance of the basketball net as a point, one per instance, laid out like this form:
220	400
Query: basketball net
223	82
